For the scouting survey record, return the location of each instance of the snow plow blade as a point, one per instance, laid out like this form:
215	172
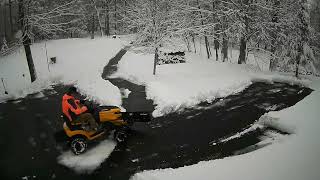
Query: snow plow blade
136	116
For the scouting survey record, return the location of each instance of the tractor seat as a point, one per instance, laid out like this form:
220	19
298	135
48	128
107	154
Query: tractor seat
70	125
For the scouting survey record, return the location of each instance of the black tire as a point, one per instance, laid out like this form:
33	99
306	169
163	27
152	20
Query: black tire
78	145
120	135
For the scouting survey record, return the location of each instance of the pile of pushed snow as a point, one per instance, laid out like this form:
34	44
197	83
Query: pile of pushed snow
294	157
177	86
90	160
79	62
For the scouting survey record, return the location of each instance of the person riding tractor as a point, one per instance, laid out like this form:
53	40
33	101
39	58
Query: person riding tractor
75	110
102	120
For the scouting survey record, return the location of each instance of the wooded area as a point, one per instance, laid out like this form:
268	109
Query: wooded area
288	30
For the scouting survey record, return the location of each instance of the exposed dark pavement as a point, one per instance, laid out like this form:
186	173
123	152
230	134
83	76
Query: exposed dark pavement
27	129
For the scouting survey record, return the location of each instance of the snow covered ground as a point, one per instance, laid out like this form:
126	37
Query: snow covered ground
294	157
178	86
90	160
79	62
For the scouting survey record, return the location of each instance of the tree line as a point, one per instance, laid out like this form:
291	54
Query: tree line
288	30
281	28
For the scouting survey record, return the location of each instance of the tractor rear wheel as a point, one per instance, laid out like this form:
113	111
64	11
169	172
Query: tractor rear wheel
78	145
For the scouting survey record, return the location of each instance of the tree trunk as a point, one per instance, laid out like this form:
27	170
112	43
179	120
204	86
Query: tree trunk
187	42
216	47
107	21
2	30
92	26
207	46
115	16
273	59
98	16
27	49
200	49
275	20
225	48
10	14
26	41
244	38
230	49
194	44
124	23
298	64
5	22
216	36
205	37
243	47
156	58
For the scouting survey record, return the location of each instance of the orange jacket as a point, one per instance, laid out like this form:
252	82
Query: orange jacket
71	107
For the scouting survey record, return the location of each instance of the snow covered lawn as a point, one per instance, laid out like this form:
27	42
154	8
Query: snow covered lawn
79	62
294	157
177	86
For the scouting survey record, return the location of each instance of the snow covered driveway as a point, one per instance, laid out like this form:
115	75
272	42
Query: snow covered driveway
181	139
185	138
27	127
177	139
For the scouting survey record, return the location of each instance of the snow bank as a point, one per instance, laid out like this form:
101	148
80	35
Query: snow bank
125	92
90	160
177	86
294	157
79	62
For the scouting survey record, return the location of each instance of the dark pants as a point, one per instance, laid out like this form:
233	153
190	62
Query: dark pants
86	118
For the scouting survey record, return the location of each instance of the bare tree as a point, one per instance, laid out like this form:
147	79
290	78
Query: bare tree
44	22
205	37
107	18
10	14
216	29
245	34
155	22
115	17
23	10
303	32
96	8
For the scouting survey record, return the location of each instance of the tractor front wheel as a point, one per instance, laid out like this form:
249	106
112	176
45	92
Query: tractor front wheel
120	135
